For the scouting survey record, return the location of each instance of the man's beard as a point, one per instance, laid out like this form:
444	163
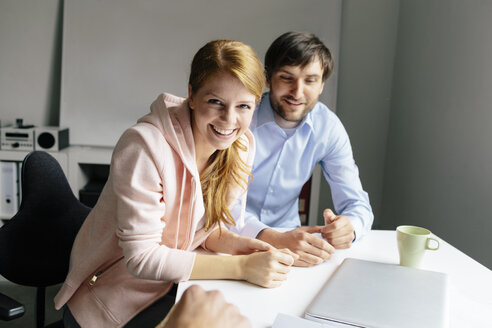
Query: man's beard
279	109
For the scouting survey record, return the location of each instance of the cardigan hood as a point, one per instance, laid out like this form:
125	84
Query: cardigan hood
171	116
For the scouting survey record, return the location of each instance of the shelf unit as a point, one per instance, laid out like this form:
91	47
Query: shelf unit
71	160
84	155
74	158
18	156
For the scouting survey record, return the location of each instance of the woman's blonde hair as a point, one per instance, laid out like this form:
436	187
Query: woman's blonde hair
226	169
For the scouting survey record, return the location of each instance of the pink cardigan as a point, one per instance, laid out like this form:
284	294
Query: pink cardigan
139	237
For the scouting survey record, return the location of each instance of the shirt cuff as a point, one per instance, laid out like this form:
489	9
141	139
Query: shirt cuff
358	228
252	228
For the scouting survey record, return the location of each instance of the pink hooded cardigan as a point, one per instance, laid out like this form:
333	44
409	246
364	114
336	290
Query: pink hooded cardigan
139	237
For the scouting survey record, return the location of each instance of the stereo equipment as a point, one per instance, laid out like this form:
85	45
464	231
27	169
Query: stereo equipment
29	137
17	138
51	138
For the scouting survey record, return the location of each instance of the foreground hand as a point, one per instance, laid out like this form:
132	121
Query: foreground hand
338	230
267	269
310	249
198	308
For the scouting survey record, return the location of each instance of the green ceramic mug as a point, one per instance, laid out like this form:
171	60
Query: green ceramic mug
412	244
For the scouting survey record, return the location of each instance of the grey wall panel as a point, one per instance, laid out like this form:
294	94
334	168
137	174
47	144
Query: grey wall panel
367	52
439	151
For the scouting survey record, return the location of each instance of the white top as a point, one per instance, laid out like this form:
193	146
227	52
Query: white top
470	283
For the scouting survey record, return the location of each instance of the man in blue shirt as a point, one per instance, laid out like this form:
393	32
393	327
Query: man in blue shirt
293	133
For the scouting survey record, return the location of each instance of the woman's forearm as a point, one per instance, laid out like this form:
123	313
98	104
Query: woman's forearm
262	265
267	269
221	241
217	267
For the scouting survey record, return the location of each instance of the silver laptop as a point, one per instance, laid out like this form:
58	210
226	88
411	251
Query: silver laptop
378	295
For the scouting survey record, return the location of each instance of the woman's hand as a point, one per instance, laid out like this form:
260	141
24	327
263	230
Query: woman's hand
228	242
268	268
245	245
263	264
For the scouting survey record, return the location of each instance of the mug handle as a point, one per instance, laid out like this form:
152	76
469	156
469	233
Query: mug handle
427	244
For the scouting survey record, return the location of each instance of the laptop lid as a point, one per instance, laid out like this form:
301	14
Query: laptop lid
379	295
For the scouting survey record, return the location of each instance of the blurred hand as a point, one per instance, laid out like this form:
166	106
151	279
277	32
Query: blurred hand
267	269
198	308
338	230
310	249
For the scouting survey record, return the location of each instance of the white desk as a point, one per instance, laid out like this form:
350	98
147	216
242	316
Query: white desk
470	283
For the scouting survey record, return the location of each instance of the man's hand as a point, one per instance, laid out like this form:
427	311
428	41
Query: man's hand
311	249
338	230
198	308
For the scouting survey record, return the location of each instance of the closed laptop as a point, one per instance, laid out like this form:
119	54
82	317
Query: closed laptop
379	295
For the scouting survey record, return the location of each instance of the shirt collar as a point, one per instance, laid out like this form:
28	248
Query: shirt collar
265	114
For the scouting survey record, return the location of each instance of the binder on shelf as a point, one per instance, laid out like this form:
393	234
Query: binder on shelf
9	201
19	184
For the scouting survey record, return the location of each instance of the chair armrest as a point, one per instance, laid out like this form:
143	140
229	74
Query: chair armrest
10	308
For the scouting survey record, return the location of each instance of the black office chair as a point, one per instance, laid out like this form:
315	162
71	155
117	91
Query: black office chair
35	244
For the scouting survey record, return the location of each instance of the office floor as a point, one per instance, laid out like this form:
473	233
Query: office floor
26	296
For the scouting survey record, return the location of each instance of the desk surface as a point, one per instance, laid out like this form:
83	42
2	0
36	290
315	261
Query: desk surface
470	283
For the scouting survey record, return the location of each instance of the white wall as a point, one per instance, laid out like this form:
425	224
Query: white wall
435	160
440	134
118	55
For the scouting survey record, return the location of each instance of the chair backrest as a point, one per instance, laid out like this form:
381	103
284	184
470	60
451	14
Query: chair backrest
35	244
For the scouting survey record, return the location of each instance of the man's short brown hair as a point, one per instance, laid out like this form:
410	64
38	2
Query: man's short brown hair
297	48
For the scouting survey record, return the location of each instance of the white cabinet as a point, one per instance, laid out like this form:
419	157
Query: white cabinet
73	160
18	156
79	158
10	187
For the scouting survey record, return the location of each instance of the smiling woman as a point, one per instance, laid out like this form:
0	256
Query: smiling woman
226	82
219	117
221	111
176	178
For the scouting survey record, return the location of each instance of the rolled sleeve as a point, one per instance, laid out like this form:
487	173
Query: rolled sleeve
342	174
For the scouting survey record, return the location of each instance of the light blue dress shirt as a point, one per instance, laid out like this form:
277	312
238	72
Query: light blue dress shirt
283	164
